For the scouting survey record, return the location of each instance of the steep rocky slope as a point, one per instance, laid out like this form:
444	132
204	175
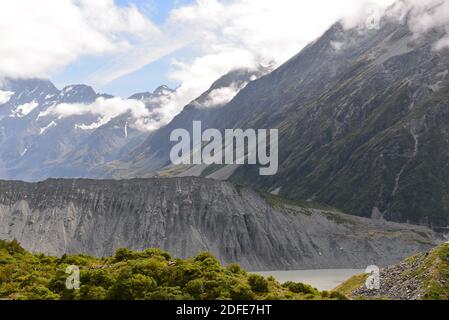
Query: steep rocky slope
363	120
188	215
153	155
423	276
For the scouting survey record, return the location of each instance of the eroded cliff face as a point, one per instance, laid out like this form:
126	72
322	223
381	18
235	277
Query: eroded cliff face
188	215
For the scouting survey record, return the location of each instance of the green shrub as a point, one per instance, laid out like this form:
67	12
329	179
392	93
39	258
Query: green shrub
299	288
168	293
337	296
93	293
235	268
128	275
195	287
153	252
123	254
40	293
242	292
136	287
13	247
258	283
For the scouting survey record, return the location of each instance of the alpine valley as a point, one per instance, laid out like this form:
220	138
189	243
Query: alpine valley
363	179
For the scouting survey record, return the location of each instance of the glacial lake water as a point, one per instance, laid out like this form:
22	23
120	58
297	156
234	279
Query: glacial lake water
321	279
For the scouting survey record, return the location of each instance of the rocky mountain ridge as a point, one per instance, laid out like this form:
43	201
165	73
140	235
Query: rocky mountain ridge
186	216
363	122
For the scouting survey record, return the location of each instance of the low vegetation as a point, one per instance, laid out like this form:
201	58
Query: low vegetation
352	284
128	275
279	202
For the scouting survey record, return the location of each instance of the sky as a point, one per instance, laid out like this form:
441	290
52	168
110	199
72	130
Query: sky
122	47
126	46
147	78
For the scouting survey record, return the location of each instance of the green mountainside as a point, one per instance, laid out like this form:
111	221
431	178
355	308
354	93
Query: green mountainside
363	128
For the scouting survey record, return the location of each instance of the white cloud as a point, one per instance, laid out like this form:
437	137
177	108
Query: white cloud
338	45
266	28
195	79
39	38
105	109
429	14
244	33
236	34
221	96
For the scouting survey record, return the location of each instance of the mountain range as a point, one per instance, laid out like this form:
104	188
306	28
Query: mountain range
363	119
363	122
37	144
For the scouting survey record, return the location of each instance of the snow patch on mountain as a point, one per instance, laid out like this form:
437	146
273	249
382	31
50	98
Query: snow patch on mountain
24	152
5	96
44	129
95	125
24	109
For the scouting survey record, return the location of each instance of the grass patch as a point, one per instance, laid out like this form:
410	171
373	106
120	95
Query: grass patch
277	202
352	284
